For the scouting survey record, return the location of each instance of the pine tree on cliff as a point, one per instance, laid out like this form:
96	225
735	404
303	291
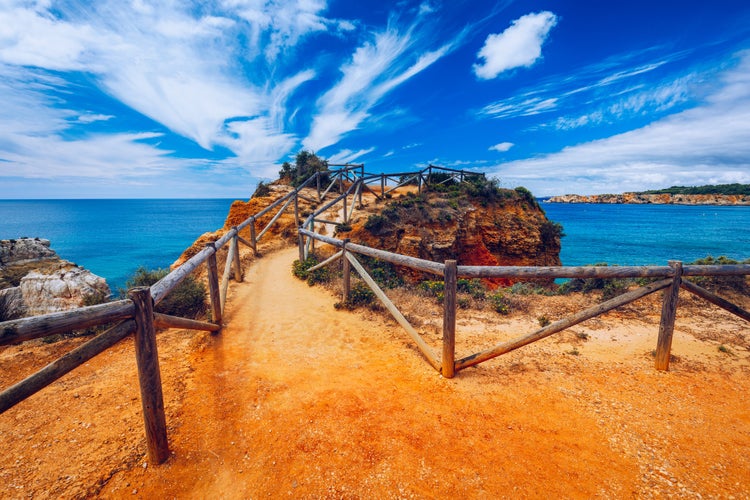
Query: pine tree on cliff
305	165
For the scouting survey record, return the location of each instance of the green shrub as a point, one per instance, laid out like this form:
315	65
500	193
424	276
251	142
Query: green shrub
261	191
473	287
375	223
718	283
187	300
384	273
500	303
432	287
359	295
301	270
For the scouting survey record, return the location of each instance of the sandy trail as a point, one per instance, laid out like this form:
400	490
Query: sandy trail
296	399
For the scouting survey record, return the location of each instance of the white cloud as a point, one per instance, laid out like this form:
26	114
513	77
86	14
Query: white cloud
93	117
349	156
518	46
375	69
708	144
502	147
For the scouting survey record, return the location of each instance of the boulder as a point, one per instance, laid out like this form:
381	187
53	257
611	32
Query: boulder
60	288
25	250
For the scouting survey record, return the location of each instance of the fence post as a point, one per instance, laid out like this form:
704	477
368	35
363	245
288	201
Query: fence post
382	186
346	219
253	241
213	285
345	272
296	209
149	377
237	265
668	313
449	319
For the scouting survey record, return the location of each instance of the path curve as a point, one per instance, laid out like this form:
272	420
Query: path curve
296	399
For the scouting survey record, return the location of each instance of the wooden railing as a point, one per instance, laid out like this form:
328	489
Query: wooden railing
135	315
670	279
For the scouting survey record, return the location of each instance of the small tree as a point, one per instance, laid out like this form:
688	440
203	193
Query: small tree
306	164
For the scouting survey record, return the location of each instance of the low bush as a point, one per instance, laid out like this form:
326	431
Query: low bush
360	295
187	300
301	270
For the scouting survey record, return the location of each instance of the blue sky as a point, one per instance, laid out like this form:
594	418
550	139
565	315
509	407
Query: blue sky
118	98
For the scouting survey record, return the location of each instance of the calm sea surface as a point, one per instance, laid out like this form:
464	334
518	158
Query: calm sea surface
650	234
112	238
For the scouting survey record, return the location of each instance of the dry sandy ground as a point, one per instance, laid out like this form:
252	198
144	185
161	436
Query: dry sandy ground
295	399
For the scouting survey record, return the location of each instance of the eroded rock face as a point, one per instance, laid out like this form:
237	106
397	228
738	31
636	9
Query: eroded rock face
511	231
60	289
25	250
34	280
656	199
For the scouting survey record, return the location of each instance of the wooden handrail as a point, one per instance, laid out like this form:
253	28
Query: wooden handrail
34	327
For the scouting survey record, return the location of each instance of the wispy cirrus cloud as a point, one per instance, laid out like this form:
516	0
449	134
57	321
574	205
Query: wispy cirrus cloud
707	144
183	67
349	156
608	91
520	45
376	67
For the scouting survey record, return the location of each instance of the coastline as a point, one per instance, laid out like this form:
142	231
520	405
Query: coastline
654	199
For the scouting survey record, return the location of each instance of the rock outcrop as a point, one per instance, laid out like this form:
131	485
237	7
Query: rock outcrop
510	230
663	199
34	280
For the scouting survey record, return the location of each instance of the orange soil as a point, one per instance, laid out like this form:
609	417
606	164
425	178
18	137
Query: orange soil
298	400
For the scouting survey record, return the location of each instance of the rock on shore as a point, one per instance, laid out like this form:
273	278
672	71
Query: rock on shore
35	280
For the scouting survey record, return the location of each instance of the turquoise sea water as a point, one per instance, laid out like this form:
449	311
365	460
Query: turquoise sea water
112	238
650	234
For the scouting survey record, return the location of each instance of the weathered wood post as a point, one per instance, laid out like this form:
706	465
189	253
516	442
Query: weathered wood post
296	209
668	313
149	376
213	285
449	319
317	182
236	261
346	281
340	177
382	186
253	239
346	219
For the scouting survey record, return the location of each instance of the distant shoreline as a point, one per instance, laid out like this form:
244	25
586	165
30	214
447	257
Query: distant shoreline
654	199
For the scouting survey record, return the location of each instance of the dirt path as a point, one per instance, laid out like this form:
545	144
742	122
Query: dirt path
295	399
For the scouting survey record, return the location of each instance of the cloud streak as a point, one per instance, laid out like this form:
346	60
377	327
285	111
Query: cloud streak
375	69
707	144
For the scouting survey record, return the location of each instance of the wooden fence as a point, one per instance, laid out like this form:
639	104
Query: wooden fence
135	315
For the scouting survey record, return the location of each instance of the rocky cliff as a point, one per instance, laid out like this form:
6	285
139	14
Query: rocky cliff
663	198
35	280
504	227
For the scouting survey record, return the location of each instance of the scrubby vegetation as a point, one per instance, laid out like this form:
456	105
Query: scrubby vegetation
301	269
725	189
187	300
305	166
261	191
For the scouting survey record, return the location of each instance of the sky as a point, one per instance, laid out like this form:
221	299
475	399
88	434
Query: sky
182	99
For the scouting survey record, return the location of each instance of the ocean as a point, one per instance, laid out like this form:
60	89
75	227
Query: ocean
112	238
